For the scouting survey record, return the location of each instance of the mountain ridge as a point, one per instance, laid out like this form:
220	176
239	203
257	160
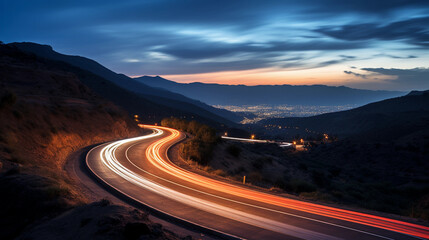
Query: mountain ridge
157	95
407	115
222	94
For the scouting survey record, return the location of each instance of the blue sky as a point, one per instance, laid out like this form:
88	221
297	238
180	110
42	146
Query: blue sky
375	44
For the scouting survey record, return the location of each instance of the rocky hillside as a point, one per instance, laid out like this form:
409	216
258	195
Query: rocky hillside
46	113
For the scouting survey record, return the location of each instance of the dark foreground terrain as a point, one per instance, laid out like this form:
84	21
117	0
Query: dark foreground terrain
378	161
46	114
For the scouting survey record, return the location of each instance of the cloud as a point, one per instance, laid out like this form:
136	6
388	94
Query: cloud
356	74
395	57
197	49
347	57
415	78
414	31
176	37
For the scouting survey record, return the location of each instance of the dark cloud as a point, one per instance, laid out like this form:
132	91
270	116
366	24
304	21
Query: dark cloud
279	33
416	78
414	31
355	74
347	57
198	49
365	6
395	57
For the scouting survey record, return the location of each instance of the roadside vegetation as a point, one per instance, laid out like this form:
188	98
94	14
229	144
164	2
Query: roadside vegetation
386	177
203	139
46	114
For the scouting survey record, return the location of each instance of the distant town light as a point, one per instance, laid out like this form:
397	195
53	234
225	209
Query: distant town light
253	136
136	116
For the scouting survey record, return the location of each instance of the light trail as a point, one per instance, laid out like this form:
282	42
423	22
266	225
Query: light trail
245	139
155	157
109	159
281	144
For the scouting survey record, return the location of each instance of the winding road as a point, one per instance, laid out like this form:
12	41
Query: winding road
140	169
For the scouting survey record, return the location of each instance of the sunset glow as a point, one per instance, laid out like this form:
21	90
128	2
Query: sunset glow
358	44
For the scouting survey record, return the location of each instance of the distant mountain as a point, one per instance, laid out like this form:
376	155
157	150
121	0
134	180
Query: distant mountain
155	95
317	95
389	119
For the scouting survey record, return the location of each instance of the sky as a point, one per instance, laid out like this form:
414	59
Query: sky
367	44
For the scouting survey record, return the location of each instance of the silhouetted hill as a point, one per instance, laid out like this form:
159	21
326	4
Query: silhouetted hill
389	119
318	95
156	95
48	111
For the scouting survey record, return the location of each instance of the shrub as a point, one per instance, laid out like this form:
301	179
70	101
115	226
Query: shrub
335	171
54	192
8	99
299	186
233	150
254	177
303	166
135	230
200	148
319	178
219	172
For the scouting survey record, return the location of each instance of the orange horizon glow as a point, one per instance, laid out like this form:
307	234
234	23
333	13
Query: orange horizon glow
331	76
262	77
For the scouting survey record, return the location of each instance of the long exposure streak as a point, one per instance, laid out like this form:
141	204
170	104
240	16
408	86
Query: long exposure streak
159	159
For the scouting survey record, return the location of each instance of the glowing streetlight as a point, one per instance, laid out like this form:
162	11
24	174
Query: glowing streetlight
253	136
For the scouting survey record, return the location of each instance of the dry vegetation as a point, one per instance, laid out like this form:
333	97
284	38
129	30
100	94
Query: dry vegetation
46	114
200	147
388	177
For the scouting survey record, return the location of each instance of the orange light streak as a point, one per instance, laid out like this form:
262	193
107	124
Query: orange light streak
153	154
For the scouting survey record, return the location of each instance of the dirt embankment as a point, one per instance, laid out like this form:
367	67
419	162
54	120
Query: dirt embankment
46	114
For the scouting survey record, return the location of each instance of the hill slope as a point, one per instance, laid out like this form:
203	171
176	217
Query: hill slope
46	113
317	95
391	118
156	95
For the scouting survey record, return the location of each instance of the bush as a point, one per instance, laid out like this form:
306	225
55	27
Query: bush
135	230
254	178
319	178
233	150
299	186
294	185
8	99
200	148
219	172
56	191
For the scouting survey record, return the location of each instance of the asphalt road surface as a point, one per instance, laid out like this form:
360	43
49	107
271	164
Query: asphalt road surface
139	168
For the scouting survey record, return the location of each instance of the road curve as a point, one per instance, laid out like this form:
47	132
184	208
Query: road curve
140	169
